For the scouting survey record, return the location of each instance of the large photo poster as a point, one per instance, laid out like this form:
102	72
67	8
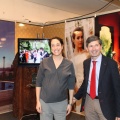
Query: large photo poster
87	25
7	38
76	33
107	27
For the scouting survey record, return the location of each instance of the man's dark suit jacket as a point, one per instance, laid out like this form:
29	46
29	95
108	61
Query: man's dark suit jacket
108	88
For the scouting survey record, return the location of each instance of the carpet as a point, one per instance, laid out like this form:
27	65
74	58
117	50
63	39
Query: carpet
30	117
9	116
72	116
75	116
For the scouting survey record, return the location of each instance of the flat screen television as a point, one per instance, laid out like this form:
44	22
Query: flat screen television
32	51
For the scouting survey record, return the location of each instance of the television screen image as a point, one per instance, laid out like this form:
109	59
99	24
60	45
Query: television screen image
33	51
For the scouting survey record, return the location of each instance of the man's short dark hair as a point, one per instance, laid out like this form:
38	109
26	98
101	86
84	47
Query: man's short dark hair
93	38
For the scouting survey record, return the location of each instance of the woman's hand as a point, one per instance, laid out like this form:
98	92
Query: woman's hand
74	100
69	108
38	107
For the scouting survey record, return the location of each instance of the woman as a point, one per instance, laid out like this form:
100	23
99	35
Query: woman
55	76
79	55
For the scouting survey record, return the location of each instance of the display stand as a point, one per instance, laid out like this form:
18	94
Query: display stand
24	100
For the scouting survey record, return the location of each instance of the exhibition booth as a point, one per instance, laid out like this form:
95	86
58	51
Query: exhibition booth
21	71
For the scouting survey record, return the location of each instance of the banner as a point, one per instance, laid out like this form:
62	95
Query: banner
75	47
88	28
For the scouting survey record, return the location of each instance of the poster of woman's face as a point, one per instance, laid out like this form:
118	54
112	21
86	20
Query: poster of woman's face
76	32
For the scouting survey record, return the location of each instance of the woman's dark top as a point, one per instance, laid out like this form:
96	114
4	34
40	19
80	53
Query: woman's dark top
54	82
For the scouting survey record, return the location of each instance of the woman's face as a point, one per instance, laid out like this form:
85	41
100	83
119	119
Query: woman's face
56	47
78	41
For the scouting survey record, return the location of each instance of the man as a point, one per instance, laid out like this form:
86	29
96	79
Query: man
101	99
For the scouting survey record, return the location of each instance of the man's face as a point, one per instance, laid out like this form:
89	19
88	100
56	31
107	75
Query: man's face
94	49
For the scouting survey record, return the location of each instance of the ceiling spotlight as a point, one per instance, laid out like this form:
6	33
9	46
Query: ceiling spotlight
21	24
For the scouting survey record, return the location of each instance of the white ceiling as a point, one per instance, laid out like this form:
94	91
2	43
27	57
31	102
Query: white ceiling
80	7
